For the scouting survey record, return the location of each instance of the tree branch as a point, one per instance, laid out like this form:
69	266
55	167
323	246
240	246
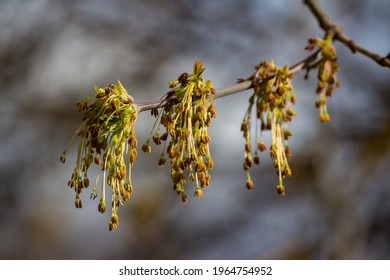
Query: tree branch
329	27
246	84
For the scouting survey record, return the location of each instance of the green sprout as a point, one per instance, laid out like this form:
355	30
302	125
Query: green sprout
109	141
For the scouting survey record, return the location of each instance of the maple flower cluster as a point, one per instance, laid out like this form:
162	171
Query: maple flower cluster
327	73
184	120
109	141
271	103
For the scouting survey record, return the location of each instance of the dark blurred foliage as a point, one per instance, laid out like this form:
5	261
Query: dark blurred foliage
337	202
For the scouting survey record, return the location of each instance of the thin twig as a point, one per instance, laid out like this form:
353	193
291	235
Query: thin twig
306	63
329	27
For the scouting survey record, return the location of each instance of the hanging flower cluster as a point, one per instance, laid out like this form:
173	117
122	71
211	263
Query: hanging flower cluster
271	102
327	70
108	140
187	113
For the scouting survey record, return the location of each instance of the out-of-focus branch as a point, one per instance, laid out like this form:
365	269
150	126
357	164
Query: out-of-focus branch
304	64
329	27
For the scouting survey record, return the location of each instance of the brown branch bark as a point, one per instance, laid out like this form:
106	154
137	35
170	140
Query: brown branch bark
331	28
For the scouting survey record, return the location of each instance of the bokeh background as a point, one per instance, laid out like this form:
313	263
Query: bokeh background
336	204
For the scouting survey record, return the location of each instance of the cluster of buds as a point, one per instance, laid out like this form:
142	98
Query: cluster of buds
109	141
184	120
327	69
272	99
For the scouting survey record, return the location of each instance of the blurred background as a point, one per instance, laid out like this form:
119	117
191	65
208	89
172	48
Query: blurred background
336	204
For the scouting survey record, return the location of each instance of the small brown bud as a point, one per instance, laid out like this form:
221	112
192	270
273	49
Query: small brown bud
78	203
249	184
212	111
200	166
312	40
309	47
287	118
86	182
204	183
183	78
201	176
184	198
198	193
72	183
287	151
162	162
248	160
164	136
101	206
287	134
263	126
146	148
97	159
293	99
329	91
126	195
133	156
132	141
114	219
63	158
112	226
280	91
286	172
261	146
244	126
280	190
172	84
171	153
271	98
209	163
256	159
156	140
